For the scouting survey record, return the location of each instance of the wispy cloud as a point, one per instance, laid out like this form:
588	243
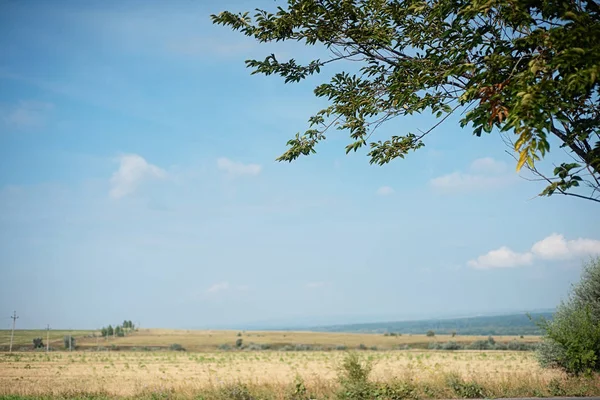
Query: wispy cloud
554	247
25	114
385	191
235	168
483	173
218	287
133	170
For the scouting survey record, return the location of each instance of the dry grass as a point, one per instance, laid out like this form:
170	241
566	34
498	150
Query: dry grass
194	340
187	374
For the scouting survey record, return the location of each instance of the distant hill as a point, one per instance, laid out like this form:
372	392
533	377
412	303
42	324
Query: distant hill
513	324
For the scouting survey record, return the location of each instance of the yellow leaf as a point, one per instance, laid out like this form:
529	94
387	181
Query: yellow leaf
522	158
519	143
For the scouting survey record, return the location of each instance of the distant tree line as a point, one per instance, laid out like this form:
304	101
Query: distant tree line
119	330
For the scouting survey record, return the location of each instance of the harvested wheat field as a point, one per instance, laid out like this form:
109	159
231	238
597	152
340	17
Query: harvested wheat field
207	340
270	374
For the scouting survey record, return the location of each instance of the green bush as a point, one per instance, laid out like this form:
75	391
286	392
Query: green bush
430	333
481	345
452	346
465	390
354	379
572	337
239	343
176	347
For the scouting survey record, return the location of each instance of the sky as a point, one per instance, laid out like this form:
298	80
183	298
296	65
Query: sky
138	181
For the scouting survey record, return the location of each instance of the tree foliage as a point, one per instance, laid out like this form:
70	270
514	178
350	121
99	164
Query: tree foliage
528	69
572	338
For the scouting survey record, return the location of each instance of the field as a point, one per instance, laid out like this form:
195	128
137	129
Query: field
202	372
211	340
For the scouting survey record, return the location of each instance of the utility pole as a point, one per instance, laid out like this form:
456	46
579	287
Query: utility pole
12	333
70	341
47	338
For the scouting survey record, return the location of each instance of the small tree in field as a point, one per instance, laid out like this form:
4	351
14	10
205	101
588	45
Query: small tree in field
38	343
430	333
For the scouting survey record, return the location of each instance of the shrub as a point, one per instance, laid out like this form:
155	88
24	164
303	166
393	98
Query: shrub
224	346
362	347
38	343
354	379
239	343
430	333
435	346
480	345
572	337
176	347
239	334
452	346
453	333
515	345
341	347
466	390
236	392
501	346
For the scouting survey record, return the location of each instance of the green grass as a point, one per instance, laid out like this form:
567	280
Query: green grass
24	337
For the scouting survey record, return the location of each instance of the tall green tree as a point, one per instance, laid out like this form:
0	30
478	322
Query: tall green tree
527	69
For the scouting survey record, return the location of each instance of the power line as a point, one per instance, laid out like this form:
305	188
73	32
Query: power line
47	338
12	333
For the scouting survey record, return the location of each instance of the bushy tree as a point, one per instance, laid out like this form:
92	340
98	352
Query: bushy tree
119	331
572	337
110	331
430	333
529	69
38	343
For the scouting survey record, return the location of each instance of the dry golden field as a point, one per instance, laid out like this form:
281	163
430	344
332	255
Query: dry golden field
196	340
204	372
182	374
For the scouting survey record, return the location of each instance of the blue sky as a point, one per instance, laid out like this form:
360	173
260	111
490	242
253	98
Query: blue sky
138	181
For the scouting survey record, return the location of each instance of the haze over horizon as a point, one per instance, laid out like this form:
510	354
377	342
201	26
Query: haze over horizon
138	182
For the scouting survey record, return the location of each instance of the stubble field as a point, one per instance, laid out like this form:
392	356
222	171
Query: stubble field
275	375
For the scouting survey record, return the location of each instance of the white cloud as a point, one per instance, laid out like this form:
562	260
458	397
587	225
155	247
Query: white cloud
501	258
234	168
218	287
556	247
133	170
553	247
385	191
315	285
488	165
26	114
483	173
